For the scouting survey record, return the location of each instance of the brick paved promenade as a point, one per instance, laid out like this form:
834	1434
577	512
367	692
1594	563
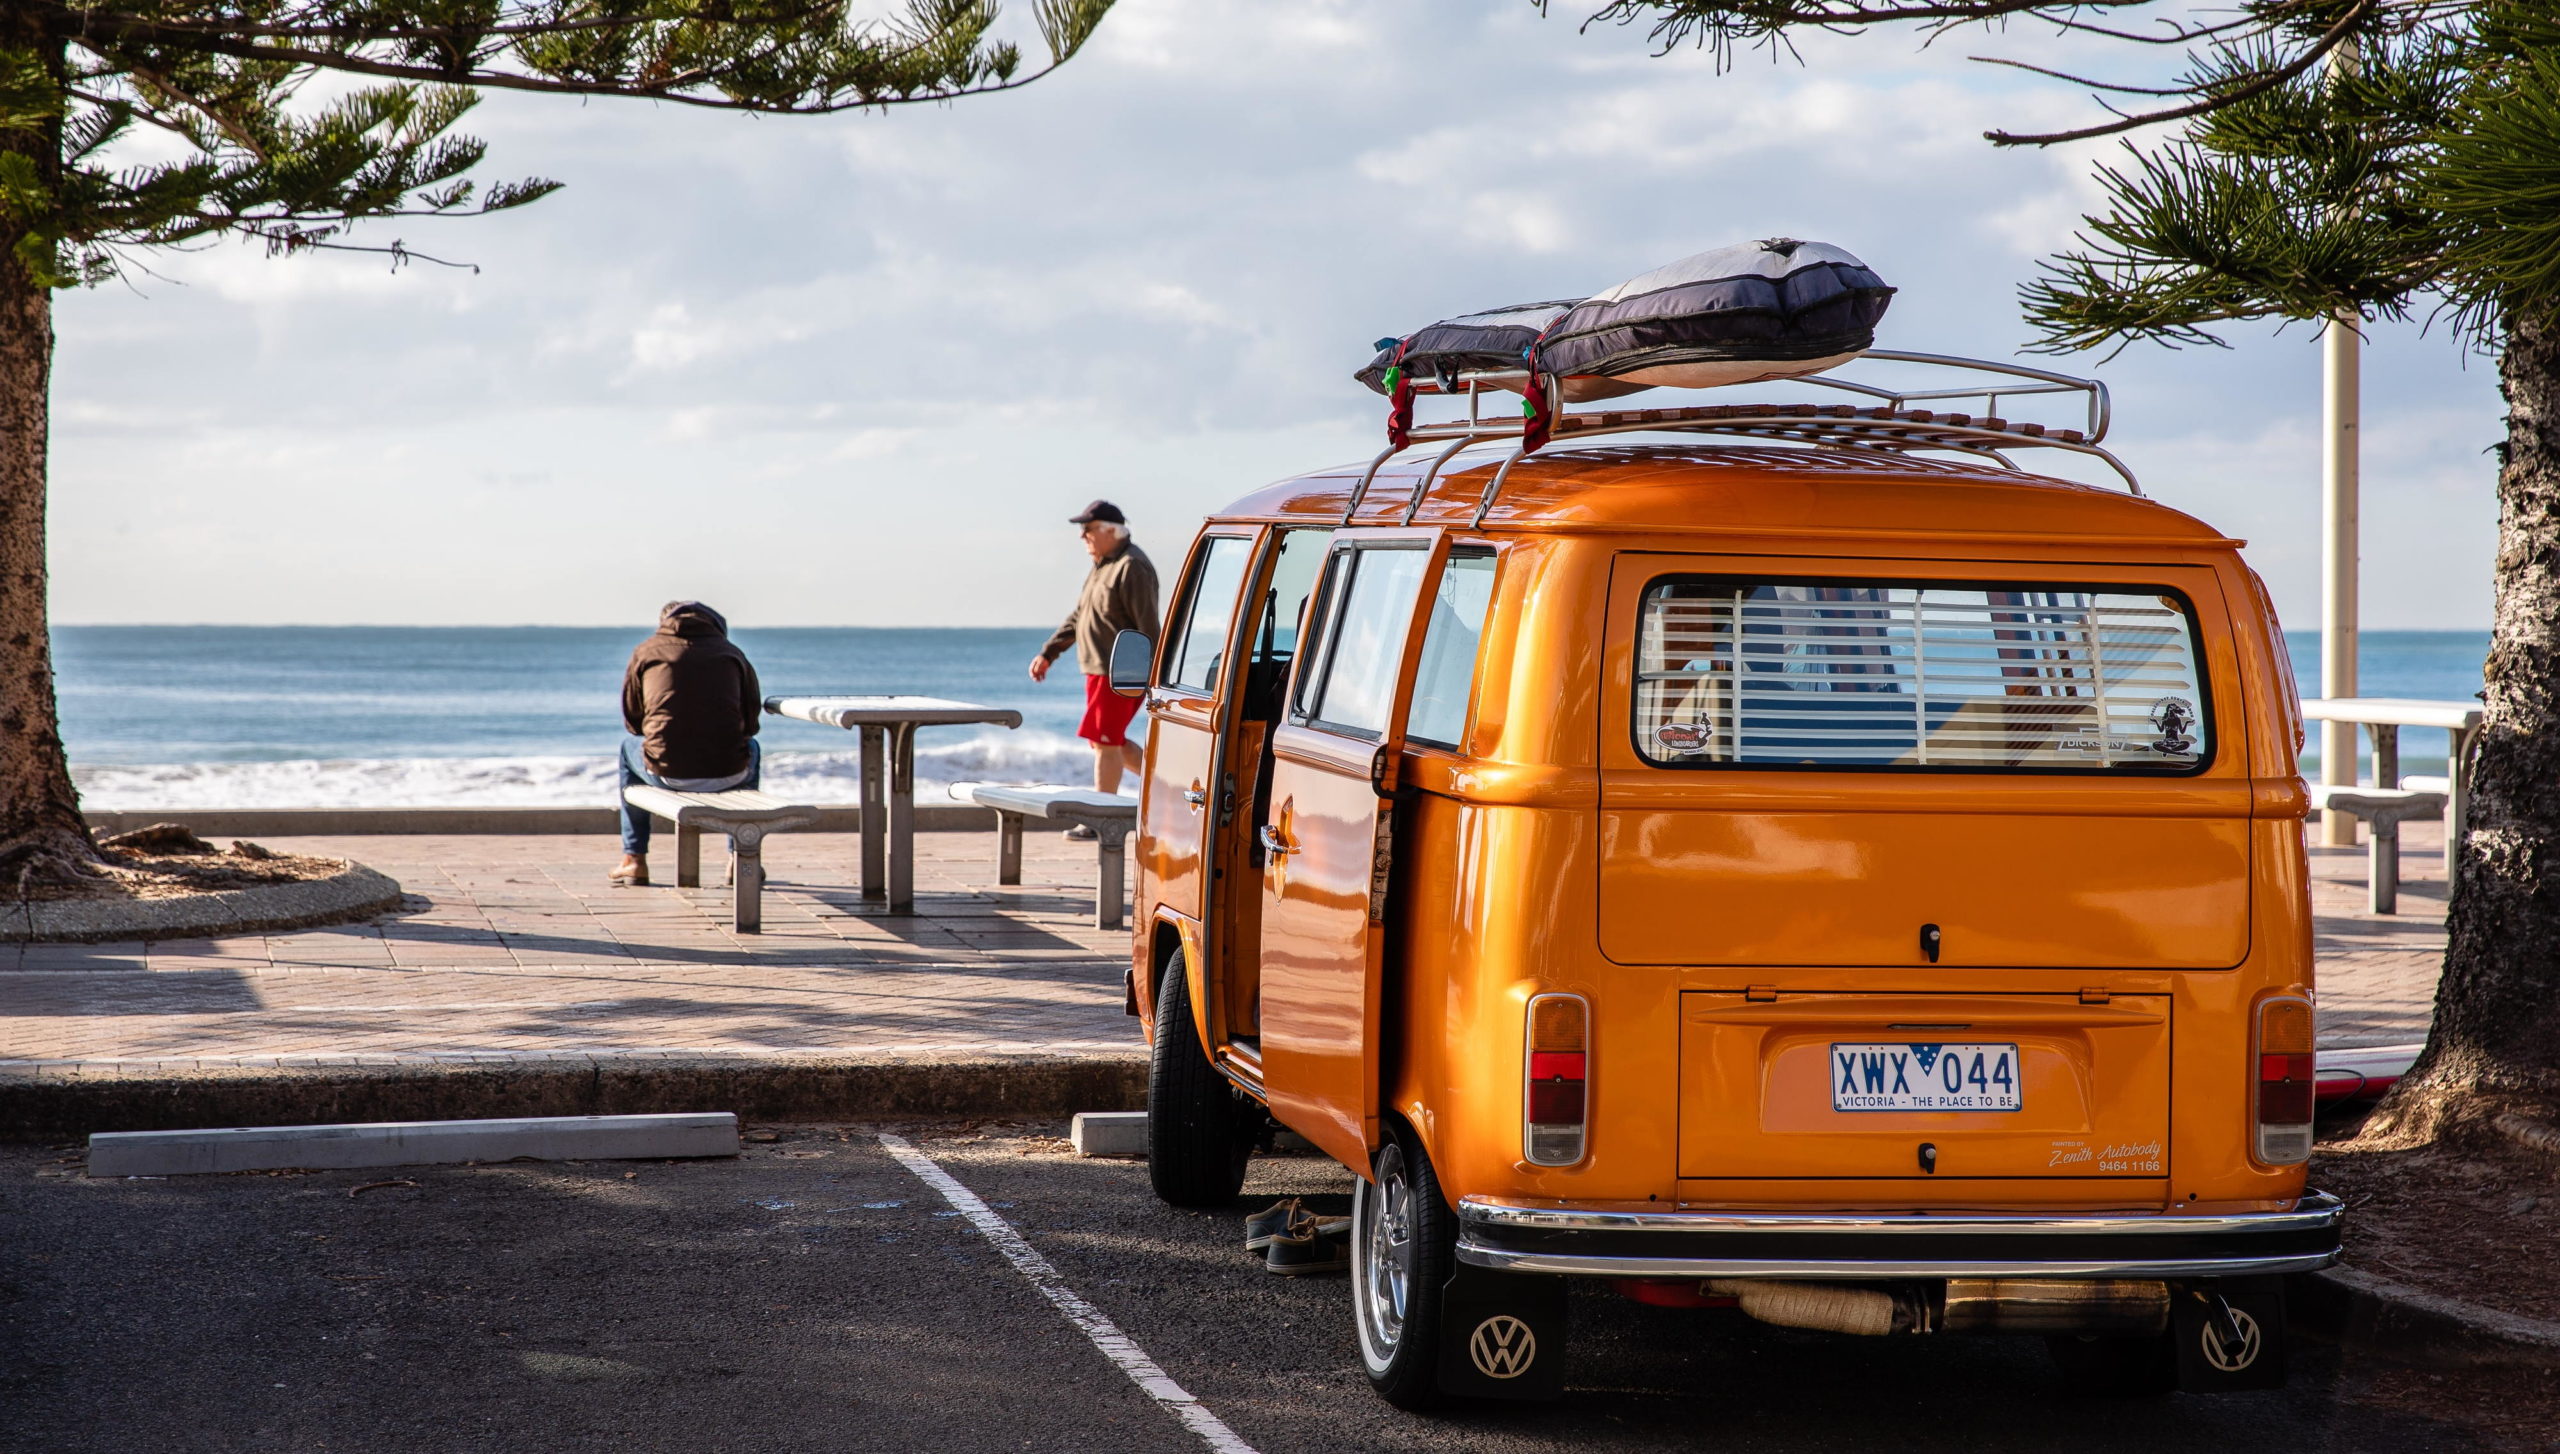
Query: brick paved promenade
2378	975
516	949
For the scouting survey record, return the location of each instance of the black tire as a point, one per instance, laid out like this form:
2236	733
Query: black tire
1404	1243
2115	1367
1200	1128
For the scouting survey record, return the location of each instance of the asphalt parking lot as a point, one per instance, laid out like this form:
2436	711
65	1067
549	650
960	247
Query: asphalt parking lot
816	1294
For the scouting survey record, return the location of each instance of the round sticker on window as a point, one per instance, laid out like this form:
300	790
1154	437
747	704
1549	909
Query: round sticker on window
1683	736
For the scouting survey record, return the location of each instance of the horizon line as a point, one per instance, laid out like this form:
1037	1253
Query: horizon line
500	626
2362	629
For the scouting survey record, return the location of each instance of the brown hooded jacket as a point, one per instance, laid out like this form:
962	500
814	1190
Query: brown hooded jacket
691	695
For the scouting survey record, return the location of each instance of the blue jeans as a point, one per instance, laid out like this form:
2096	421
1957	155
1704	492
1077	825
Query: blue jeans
635	770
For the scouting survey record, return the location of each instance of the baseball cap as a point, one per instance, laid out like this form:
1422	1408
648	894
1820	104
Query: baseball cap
1099	510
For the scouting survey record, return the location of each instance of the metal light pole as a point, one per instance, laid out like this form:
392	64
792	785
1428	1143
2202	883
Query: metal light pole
2341	407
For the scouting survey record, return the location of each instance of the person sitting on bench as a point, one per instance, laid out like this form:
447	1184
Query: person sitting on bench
691	705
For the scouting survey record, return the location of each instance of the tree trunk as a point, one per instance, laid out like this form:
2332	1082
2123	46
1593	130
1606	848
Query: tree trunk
42	835
2497	1026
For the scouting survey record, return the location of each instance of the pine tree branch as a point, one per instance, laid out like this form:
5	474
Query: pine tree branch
298	177
147	115
286	241
2330	40
138	31
447	32
2179	32
2092	83
228	126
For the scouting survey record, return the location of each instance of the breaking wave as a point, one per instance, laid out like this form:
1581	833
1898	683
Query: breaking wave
1026	756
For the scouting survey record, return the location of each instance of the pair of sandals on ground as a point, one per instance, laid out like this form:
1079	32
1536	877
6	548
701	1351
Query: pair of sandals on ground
1295	1242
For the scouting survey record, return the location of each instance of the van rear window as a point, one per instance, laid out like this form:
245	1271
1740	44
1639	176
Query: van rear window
1994	678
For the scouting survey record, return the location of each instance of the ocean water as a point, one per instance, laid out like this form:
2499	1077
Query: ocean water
382	716
2438	666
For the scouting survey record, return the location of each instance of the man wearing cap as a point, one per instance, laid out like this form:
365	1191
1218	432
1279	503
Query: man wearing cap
1119	595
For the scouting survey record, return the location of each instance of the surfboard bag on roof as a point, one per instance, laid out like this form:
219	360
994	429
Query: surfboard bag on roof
1495	341
1763	310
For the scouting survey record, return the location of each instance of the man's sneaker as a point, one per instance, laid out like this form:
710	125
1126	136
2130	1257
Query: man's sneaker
1304	1251
1082	833
1264	1225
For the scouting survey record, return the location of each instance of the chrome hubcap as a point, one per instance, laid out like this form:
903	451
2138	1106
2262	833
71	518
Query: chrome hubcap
1387	1242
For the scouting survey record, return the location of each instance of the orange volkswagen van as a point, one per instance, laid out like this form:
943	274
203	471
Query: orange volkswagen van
1797	862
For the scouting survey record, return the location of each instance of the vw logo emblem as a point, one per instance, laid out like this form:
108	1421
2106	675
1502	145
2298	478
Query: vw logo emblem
2249	1341
1502	1347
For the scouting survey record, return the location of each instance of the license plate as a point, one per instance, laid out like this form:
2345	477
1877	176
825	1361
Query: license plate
1908	1076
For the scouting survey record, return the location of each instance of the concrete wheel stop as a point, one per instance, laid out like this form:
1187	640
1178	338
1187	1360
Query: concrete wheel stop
355	893
412	1143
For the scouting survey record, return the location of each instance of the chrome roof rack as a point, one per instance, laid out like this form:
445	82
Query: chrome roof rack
1895	425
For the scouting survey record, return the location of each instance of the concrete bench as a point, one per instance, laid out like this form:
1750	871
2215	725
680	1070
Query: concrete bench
744	815
2383	810
1109	815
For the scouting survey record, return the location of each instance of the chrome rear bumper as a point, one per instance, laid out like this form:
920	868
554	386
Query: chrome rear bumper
1643	1240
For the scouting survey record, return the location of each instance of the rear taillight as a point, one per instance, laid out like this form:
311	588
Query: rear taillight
2288	1082
1558	1102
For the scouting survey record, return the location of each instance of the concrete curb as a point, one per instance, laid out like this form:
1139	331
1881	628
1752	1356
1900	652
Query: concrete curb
356	893
57	1106
2375	1315
412	1143
337	822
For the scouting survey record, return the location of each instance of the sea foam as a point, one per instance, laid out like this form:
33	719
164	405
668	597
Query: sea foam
1027	756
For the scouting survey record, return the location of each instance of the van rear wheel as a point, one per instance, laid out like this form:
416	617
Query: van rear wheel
1403	1243
1200	1129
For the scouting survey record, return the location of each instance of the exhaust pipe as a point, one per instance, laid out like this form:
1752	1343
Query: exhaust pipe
2115	1308
1827	1307
2119	1308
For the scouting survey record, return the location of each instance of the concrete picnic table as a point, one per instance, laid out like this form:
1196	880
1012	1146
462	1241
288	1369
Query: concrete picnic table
888	727
2382	718
1108	816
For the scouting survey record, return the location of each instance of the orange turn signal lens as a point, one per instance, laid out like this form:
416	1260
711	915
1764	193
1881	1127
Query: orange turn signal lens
2287	1080
2284	1027
1558	1025
1556	1100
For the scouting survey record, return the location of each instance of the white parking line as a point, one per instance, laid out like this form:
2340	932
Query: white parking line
1115	1345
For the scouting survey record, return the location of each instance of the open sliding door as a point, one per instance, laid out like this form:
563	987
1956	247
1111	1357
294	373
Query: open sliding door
1326	844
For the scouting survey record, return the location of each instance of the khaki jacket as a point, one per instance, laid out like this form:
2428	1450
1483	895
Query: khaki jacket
1120	595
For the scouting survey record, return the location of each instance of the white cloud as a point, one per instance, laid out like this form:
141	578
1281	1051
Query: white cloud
669	338
760	349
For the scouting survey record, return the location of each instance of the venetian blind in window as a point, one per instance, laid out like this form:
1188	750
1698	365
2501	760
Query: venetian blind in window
2023	678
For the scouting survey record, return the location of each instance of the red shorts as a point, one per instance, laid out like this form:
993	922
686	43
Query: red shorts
1106	714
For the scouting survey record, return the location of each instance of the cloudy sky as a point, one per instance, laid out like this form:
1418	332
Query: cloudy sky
857	369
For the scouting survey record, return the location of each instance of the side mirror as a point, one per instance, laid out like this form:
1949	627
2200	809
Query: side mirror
1133	660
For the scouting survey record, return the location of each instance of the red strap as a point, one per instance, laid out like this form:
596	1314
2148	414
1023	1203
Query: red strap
1542	415
1541	408
1400	402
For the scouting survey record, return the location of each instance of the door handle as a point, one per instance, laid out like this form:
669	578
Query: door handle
1194	796
1272	842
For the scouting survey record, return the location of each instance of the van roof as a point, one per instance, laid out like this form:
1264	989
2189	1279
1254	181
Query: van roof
1729	489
